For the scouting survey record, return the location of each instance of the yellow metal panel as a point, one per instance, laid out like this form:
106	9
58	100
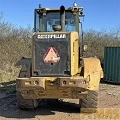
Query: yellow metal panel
92	71
74	52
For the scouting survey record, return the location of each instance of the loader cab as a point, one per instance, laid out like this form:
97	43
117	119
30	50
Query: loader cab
45	18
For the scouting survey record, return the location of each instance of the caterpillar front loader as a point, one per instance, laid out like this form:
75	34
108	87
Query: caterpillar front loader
57	68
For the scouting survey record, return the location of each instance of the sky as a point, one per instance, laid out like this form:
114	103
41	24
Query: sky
99	14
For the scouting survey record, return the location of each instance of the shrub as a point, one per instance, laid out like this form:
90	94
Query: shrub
14	44
96	41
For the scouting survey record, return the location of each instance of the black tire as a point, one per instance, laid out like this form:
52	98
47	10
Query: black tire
90	104
26	104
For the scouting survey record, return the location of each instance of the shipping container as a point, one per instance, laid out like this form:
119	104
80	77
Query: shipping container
112	64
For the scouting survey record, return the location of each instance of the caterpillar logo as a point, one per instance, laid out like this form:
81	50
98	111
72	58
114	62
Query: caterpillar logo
46	36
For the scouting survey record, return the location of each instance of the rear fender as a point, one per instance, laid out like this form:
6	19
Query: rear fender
26	67
93	71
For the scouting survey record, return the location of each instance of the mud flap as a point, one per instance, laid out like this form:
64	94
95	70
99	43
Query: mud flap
26	67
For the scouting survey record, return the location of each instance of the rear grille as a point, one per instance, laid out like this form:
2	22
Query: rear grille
42	66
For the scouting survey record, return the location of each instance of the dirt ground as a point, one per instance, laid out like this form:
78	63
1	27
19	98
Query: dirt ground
59	110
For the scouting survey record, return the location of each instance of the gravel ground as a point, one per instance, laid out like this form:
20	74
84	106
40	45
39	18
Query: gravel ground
57	110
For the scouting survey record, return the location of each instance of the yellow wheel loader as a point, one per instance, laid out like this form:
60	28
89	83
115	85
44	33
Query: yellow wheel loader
57	69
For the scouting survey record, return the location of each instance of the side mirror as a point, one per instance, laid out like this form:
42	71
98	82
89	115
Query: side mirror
84	48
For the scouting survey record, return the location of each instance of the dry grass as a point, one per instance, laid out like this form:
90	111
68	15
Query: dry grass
10	52
10	73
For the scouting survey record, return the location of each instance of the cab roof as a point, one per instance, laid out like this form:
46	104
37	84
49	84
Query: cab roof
72	9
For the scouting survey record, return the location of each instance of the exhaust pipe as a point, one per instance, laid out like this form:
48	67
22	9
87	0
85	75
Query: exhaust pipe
62	18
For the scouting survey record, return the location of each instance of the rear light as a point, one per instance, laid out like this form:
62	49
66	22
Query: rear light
71	82
27	82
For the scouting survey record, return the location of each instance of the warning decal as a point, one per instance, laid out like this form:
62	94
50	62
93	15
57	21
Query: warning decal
51	55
